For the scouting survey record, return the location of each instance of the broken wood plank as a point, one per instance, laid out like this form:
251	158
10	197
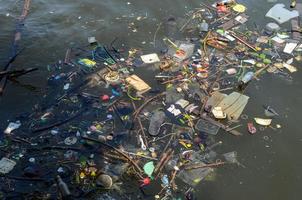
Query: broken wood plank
18	72
232	23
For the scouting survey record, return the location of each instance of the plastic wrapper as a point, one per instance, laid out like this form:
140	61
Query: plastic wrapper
194	176
156	121
231	157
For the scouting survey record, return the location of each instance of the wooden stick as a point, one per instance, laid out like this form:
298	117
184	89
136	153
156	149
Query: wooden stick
172	181
118	151
162	159
209	7
163	137
220	18
16	73
141	126
17	38
166	160
172	80
67	56
59	123
224	127
22	178
137	112
155	34
243	41
198	166
168	143
205	44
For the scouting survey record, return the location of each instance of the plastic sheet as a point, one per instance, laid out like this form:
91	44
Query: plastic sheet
231	157
158	117
279	13
194	176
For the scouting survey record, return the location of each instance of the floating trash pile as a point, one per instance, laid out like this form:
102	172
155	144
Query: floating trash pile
104	127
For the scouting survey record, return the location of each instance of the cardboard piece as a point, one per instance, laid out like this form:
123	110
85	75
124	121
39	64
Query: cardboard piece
289	47
6	165
150	58
233	105
138	84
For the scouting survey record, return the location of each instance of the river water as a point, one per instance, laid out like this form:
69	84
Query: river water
272	159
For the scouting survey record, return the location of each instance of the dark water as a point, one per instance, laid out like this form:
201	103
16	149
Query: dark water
273	165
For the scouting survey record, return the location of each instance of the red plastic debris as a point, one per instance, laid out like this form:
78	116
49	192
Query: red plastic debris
251	128
145	181
105	97
222	9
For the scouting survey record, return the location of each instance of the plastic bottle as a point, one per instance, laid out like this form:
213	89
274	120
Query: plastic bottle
247	77
65	192
225	2
245	80
293	3
204	26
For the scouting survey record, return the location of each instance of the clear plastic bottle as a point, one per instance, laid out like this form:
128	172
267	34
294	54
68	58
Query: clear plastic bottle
204	26
247	77
65	192
245	80
225	2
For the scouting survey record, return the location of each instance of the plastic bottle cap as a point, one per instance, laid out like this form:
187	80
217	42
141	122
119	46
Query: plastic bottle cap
109	137
105	97
70	140
176	168
82	175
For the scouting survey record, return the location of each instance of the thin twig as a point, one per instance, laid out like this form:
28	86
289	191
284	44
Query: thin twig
137	112
155	34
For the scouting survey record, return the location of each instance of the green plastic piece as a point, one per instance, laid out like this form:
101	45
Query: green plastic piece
149	168
267	61
262	56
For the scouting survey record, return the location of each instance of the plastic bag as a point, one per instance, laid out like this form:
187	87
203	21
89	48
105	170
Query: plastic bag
156	121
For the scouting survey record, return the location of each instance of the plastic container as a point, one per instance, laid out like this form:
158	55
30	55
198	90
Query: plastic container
206	127
225	2
204	26
65	192
247	77
157	118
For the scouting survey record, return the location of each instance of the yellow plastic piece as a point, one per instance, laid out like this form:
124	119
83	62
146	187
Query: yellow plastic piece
88	62
186	145
258	48
239	8
98	127
93	173
82	175
169	86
